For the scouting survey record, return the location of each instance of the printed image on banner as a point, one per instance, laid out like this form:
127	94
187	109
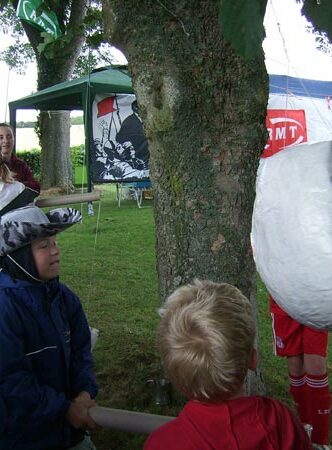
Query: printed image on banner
285	127
120	149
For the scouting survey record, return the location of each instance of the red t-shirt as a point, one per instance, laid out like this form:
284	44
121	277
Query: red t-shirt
245	423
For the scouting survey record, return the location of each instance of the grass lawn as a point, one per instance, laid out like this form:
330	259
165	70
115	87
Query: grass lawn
109	261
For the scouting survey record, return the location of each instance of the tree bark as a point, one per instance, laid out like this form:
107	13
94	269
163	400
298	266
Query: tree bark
203	109
55	142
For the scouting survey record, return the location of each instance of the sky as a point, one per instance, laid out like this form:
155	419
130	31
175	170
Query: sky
288	48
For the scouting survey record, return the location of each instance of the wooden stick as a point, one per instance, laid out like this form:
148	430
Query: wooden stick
67	199
119	419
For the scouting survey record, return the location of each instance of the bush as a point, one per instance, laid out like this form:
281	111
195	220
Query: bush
77	155
32	158
77	120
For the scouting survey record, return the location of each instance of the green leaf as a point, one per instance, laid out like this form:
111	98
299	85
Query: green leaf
48	38
241	23
3	4
42	47
320	14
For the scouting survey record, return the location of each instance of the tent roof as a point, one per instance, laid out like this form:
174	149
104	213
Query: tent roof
70	95
302	87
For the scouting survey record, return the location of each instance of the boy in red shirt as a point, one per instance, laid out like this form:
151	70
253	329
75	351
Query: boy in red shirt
206	341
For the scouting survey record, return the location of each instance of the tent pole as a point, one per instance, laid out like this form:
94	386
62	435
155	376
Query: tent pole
87	132
12	120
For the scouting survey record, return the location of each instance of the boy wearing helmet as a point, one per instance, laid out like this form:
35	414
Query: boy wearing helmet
47	382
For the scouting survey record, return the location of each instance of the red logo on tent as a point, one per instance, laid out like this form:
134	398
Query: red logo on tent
106	106
285	127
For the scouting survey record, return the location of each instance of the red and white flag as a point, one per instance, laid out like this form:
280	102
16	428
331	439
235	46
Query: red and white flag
106	106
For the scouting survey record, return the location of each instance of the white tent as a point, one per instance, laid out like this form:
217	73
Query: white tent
292	217
299	110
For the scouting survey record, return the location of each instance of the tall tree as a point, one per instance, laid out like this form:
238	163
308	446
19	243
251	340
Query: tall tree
203	108
199	75
56	59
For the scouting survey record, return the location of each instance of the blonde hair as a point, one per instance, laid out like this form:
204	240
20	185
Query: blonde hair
206	340
5	173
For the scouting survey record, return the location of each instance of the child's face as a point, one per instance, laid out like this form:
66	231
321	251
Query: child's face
6	142
46	254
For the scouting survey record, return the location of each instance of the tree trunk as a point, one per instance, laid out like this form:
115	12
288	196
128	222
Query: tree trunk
54	128
56	64
55	141
203	109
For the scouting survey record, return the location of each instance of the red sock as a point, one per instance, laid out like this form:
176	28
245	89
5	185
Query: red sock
319	399
299	391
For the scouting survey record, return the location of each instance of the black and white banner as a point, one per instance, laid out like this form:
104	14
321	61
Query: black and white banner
120	150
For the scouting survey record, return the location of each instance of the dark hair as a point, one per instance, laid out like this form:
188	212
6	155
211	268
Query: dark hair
134	106
24	258
4	124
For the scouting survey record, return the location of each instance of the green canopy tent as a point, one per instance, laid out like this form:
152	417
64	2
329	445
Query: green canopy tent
77	94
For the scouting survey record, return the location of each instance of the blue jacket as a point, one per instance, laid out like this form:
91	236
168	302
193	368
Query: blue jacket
45	360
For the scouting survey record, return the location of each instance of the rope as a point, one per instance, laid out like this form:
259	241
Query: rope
92	262
284	47
288	65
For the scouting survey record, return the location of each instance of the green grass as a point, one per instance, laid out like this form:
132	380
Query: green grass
109	261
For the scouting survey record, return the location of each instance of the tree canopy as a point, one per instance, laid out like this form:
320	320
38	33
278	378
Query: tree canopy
21	51
58	55
241	22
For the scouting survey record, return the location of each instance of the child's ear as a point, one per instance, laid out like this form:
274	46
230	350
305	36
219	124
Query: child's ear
253	360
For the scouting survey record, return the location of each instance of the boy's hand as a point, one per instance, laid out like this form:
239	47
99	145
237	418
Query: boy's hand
83	396
78	417
78	414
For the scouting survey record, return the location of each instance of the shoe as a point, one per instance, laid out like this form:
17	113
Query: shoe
321	447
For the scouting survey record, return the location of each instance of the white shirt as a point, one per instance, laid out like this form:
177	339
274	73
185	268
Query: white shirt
9	191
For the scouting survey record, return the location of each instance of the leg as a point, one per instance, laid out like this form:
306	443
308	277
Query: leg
288	342
296	365
298	386
318	384
315	364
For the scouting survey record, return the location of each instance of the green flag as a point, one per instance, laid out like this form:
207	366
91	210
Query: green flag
47	21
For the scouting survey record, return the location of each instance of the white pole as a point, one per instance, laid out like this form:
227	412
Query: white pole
120	419
7	89
68	199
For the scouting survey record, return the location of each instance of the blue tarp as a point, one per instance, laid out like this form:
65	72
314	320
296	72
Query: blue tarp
302	87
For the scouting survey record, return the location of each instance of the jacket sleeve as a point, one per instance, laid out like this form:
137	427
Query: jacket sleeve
28	404
81	363
25	176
